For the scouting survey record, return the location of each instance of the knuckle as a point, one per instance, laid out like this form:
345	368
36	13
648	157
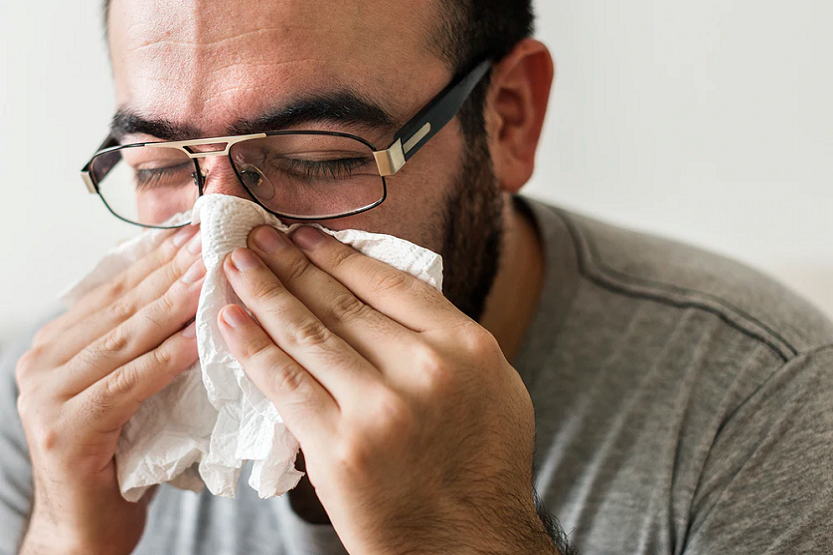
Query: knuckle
308	334
162	357
347	307
44	335
41	431
267	290
27	363
115	341
45	437
476	339
115	289
180	261
434	370
342	258
349	456
168	249
118	385
89	358
391	412
295	267
292	379
168	302
122	309
103	400
390	281
256	348
25	403
353	456
174	270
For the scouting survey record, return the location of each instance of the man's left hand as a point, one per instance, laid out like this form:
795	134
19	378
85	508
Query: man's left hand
417	432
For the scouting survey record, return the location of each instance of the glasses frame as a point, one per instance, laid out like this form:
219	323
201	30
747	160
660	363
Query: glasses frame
406	143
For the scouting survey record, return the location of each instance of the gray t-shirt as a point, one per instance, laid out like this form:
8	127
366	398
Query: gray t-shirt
684	405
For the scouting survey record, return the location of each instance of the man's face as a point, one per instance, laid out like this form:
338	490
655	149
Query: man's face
206	66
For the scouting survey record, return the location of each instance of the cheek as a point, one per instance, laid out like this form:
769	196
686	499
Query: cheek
417	196
420	194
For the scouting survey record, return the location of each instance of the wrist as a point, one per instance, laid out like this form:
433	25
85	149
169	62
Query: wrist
36	543
520	532
46	538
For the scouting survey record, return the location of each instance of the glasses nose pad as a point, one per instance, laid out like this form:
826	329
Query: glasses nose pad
256	182
199	178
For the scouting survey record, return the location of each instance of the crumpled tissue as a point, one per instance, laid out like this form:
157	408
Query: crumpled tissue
211	419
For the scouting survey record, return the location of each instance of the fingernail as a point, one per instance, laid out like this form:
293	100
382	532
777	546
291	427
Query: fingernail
190	331
195	245
307	237
268	239
195	272
235	316
244	259
184	234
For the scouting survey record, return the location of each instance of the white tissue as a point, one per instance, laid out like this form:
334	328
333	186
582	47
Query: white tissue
203	427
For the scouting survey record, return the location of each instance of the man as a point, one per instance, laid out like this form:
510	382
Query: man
659	399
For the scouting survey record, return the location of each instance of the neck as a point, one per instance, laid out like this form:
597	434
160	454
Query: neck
510	306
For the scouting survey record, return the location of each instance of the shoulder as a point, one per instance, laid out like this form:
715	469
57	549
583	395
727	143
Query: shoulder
654	317
645	266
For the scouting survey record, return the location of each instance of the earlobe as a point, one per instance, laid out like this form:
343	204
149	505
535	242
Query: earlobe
516	109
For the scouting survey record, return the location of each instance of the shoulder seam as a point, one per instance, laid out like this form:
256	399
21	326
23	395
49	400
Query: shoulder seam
819	349
631	286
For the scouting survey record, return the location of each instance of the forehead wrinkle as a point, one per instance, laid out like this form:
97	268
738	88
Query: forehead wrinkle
210	74
207	44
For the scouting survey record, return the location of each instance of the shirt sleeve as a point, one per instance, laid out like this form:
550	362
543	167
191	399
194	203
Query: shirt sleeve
767	484
16	488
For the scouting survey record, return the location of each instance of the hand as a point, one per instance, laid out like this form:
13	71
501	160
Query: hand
417	433
86	374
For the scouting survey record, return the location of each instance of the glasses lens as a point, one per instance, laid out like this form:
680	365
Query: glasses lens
309	175
146	185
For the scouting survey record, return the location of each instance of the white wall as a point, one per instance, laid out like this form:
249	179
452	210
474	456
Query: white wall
709	121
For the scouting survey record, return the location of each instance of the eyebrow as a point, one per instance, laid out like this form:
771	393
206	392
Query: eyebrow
344	108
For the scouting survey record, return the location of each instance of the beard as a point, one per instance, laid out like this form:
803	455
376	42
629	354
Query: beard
474	228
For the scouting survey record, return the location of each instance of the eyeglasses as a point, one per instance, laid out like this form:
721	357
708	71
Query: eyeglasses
302	175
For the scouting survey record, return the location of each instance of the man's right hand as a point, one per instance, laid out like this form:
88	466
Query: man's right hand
85	376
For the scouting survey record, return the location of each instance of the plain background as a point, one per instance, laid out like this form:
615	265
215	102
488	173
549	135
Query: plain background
707	121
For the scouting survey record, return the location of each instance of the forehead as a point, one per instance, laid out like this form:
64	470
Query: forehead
210	62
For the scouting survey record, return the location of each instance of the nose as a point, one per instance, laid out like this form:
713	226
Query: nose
220	178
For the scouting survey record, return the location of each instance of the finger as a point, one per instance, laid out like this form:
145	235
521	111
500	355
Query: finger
74	339
141	333
308	409
110	402
363	327
296	330
404	298
106	294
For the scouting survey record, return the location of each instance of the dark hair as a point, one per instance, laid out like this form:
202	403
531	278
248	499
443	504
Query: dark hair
470	31
475	30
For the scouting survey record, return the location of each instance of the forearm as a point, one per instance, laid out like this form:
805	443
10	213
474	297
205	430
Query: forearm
21	545
45	535
35	540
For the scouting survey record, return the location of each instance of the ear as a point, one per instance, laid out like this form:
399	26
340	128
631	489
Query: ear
515	109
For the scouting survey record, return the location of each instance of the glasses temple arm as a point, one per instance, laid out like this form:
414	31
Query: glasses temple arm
110	141
430	120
